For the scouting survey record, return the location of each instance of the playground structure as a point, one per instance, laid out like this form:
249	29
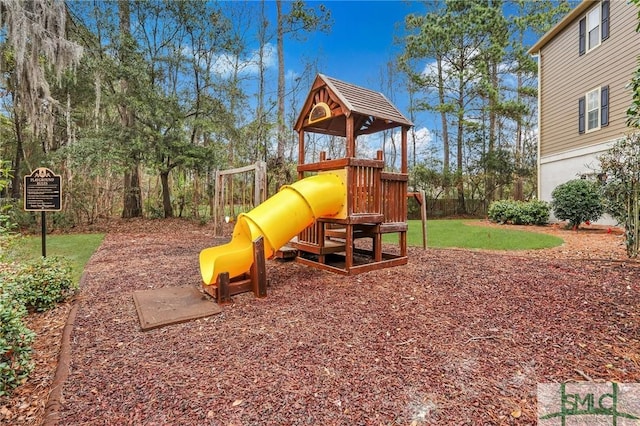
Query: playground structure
242	188
376	200
334	204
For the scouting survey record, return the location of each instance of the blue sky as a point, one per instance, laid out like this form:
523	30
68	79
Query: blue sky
365	36
363	39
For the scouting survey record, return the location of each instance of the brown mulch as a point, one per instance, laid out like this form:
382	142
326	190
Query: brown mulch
454	337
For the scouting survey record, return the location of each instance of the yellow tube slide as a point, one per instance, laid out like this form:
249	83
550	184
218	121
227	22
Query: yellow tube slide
277	220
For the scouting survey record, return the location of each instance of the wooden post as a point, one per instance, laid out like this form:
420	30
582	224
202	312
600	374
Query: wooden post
301	159
217	205
404	151
348	248
260	183
351	137
258	269
223	288
423	216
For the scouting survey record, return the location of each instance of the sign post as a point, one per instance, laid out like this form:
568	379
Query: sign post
43	193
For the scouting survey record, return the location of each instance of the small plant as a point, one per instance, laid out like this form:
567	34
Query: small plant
41	284
15	342
37	285
577	201
533	212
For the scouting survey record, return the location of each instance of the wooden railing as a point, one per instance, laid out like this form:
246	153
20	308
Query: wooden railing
364	187
372	193
310	234
394	196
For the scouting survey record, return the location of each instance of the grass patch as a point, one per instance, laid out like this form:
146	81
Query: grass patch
463	234
77	248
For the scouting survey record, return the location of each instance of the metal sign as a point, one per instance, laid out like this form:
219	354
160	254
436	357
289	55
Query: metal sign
42	191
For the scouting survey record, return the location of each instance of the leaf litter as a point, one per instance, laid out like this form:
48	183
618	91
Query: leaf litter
454	337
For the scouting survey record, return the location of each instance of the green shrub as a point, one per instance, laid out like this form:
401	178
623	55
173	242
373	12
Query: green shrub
15	342
62	221
499	211
533	212
577	201
40	284
23	220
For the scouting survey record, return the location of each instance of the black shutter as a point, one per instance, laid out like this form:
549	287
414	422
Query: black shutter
581	114
604	106
605	20
582	39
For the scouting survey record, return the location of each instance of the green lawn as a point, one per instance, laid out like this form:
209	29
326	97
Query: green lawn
77	248
464	234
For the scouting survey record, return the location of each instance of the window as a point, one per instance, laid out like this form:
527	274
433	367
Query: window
593	28
593	110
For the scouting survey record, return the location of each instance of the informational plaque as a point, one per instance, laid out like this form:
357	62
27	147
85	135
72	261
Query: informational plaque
42	191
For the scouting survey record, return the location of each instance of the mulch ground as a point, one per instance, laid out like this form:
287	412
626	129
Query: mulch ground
454	337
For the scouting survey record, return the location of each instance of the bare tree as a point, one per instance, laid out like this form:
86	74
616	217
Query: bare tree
299	20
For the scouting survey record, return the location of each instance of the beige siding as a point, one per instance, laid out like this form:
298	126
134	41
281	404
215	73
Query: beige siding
565	77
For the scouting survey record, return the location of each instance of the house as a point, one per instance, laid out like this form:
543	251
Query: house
585	64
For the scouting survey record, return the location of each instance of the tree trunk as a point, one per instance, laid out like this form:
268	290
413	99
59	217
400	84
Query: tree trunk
132	200
518	191
279	163
132	206
16	180
443	118
261	148
166	194
489	190
461	207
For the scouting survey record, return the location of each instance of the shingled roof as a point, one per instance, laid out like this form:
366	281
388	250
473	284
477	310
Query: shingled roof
372	111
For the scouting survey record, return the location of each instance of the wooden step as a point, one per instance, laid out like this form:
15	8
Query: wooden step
286	252
330	246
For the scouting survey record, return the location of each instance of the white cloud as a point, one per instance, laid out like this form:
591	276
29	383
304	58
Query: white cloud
224	64
367	145
423	138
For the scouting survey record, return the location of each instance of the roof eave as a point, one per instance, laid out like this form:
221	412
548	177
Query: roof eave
549	35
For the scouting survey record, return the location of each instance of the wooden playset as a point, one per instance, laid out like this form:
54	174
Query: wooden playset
376	198
237	190
337	212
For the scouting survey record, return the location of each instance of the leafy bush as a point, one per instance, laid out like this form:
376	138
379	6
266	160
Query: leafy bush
40	284
62	221
37	285
15	342
577	201
500	211
620	166
5	206
533	212
21	219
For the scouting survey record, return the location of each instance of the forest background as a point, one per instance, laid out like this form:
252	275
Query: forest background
136	104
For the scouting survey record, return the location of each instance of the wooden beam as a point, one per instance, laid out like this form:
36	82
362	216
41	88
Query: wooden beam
239	169
258	269
351	137
222	293
405	152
